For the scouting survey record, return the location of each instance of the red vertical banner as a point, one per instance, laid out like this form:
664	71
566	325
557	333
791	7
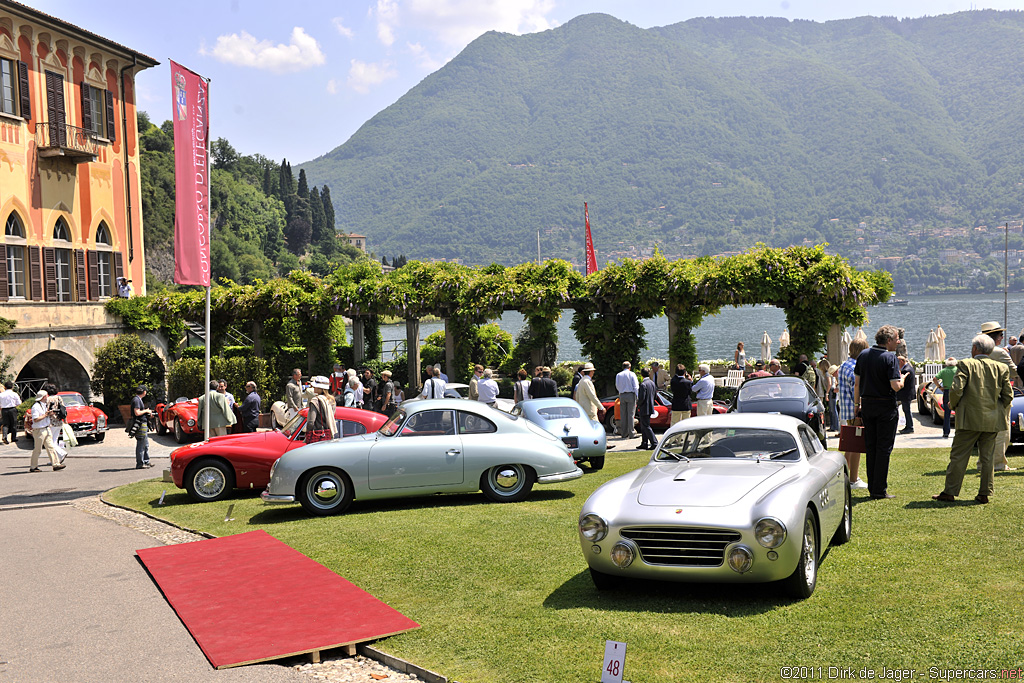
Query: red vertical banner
591	256
191	177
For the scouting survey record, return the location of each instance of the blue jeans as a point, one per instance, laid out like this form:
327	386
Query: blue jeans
833	411
141	448
945	412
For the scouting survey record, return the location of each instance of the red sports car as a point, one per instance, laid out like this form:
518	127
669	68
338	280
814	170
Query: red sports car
179	417
662	407
211	469
84	419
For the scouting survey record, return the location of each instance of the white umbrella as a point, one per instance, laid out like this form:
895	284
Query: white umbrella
860	335
940	334
766	347
784	339
844	347
931	346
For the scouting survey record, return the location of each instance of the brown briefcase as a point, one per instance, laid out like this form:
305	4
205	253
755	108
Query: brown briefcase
851	439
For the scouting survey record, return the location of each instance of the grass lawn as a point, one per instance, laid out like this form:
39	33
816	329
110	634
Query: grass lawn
503	594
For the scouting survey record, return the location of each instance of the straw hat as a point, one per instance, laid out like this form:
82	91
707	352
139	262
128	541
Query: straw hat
990	328
320	382
587	367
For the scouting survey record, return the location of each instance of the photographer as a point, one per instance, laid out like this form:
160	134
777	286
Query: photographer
124	287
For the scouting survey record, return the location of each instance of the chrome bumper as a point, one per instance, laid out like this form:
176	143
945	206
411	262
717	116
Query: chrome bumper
561	476
268	497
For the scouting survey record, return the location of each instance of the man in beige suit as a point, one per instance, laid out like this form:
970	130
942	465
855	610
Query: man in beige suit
981	395
586	395
996	331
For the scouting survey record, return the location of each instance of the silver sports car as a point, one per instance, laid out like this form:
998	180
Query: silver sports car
728	498
564	418
429	446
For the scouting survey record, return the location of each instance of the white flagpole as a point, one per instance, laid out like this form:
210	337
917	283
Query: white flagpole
209	234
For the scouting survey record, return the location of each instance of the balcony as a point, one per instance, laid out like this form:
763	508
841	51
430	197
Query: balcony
55	139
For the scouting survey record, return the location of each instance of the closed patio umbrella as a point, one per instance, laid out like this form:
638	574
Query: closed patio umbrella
931	346
784	339
941	336
860	334
766	347
844	346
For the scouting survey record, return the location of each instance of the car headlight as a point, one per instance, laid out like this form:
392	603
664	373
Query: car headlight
622	554
191	423
272	468
770	532
740	559
593	528
101	421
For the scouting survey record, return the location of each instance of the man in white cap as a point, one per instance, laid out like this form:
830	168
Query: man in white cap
1001	355
41	434
586	395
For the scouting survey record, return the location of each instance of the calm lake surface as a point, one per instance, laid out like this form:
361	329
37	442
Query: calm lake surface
960	316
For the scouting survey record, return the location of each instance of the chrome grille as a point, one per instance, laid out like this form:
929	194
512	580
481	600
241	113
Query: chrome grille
681	546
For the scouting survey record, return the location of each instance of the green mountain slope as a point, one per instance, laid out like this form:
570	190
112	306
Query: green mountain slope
701	137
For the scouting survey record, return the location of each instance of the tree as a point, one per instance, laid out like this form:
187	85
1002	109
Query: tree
318	220
325	200
224	155
303	189
121	365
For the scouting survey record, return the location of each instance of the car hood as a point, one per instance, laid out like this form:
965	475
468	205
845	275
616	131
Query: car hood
704	483
80	414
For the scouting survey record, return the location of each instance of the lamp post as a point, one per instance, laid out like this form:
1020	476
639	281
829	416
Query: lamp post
1006	270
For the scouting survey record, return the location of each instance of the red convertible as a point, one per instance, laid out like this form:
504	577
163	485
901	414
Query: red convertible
179	417
84	419
211	469
662	407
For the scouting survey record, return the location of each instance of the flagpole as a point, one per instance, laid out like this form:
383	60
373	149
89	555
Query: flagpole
209	234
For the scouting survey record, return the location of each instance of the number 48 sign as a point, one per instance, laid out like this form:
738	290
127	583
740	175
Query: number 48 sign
614	662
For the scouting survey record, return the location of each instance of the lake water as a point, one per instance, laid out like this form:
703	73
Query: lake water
960	317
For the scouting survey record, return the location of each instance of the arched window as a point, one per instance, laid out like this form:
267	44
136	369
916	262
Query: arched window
104	271
14	236
62	260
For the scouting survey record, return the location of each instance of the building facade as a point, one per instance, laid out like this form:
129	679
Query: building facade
69	189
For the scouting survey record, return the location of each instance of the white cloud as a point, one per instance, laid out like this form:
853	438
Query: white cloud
245	50
340	27
423	58
363	75
458	22
332	87
387	18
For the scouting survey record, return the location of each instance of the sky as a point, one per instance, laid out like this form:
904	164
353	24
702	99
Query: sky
296	79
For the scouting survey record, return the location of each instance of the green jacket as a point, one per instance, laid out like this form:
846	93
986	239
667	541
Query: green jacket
220	413
981	395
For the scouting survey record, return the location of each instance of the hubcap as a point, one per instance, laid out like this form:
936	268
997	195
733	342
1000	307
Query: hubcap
324	489
507	478
209	481
809	564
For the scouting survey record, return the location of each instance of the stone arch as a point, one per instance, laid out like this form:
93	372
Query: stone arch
58	367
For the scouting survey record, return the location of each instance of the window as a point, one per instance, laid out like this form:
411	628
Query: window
350	428
62	260
475	424
14	234
98	111
104	274
94	102
8	91
430	423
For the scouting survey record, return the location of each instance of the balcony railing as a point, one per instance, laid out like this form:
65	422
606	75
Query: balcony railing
56	139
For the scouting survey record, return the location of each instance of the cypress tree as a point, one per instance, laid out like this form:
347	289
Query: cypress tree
303	190
325	196
316	212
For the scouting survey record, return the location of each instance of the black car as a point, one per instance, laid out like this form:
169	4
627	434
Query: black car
786	395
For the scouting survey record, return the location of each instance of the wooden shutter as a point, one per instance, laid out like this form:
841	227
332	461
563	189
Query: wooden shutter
86	108
118	266
35	273
111	120
50	273
80	275
3	272
55	111
94	277
23	95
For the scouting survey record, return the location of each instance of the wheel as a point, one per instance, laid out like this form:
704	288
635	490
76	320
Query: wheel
602	581
936	420
179	434
507	483
209	479
596	463
161	428
100	437
845	529
325	492
804	578
609	422
922	409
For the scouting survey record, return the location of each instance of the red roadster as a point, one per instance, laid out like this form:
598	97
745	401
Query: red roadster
179	417
662	407
211	469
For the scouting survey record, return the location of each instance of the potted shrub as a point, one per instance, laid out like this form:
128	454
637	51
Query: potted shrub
121	365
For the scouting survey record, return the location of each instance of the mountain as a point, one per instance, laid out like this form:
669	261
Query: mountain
700	137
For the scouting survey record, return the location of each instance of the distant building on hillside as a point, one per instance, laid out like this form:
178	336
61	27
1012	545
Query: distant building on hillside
358	241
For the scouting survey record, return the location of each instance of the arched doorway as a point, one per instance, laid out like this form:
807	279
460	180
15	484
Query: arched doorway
57	367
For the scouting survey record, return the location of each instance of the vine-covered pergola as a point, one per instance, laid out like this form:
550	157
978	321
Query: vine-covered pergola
820	293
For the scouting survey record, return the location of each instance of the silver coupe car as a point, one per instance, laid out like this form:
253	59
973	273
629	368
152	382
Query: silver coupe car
729	498
563	417
428	446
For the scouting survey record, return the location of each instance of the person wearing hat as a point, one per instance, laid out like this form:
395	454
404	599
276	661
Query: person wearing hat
320	424
586	394
682	384
759	370
41	436
387	393
1001	355
944	378
141	413
221	415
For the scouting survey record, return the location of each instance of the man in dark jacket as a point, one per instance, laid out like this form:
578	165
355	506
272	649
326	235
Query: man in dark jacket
906	394
682	404
543	386
876	380
645	410
250	408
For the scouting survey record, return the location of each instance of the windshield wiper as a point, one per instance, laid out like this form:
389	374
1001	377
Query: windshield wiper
780	454
677	456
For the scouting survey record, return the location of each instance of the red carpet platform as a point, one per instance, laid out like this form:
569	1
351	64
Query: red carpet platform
250	598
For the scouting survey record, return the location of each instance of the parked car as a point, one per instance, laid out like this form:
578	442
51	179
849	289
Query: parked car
83	418
786	395
461	390
563	417
737	498
211	469
1017	416
428	446
179	417
931	396
662	408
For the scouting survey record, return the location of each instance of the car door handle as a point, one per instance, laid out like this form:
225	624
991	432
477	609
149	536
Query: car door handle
453	451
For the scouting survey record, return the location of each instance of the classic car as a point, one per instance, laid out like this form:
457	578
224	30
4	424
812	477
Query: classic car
179	417
461	390
429	446
930	395
211	469
1017	416
563	417
83	418
662	409
727	499
786	395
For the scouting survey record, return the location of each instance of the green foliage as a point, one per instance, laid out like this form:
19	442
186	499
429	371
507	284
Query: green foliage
6	325
194	352
187	376
121	365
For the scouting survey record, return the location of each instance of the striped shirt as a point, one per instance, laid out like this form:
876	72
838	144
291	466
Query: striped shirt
847	411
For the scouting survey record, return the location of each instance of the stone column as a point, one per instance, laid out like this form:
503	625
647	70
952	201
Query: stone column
833	341
412	346
673	331
257	338
358	341
449	350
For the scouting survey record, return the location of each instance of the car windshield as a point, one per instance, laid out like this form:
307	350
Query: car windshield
763	391
731	442
558	413
296	424
390	428
72	400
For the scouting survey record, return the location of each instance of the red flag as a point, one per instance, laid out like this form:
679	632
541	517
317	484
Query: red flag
191	177
591	256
